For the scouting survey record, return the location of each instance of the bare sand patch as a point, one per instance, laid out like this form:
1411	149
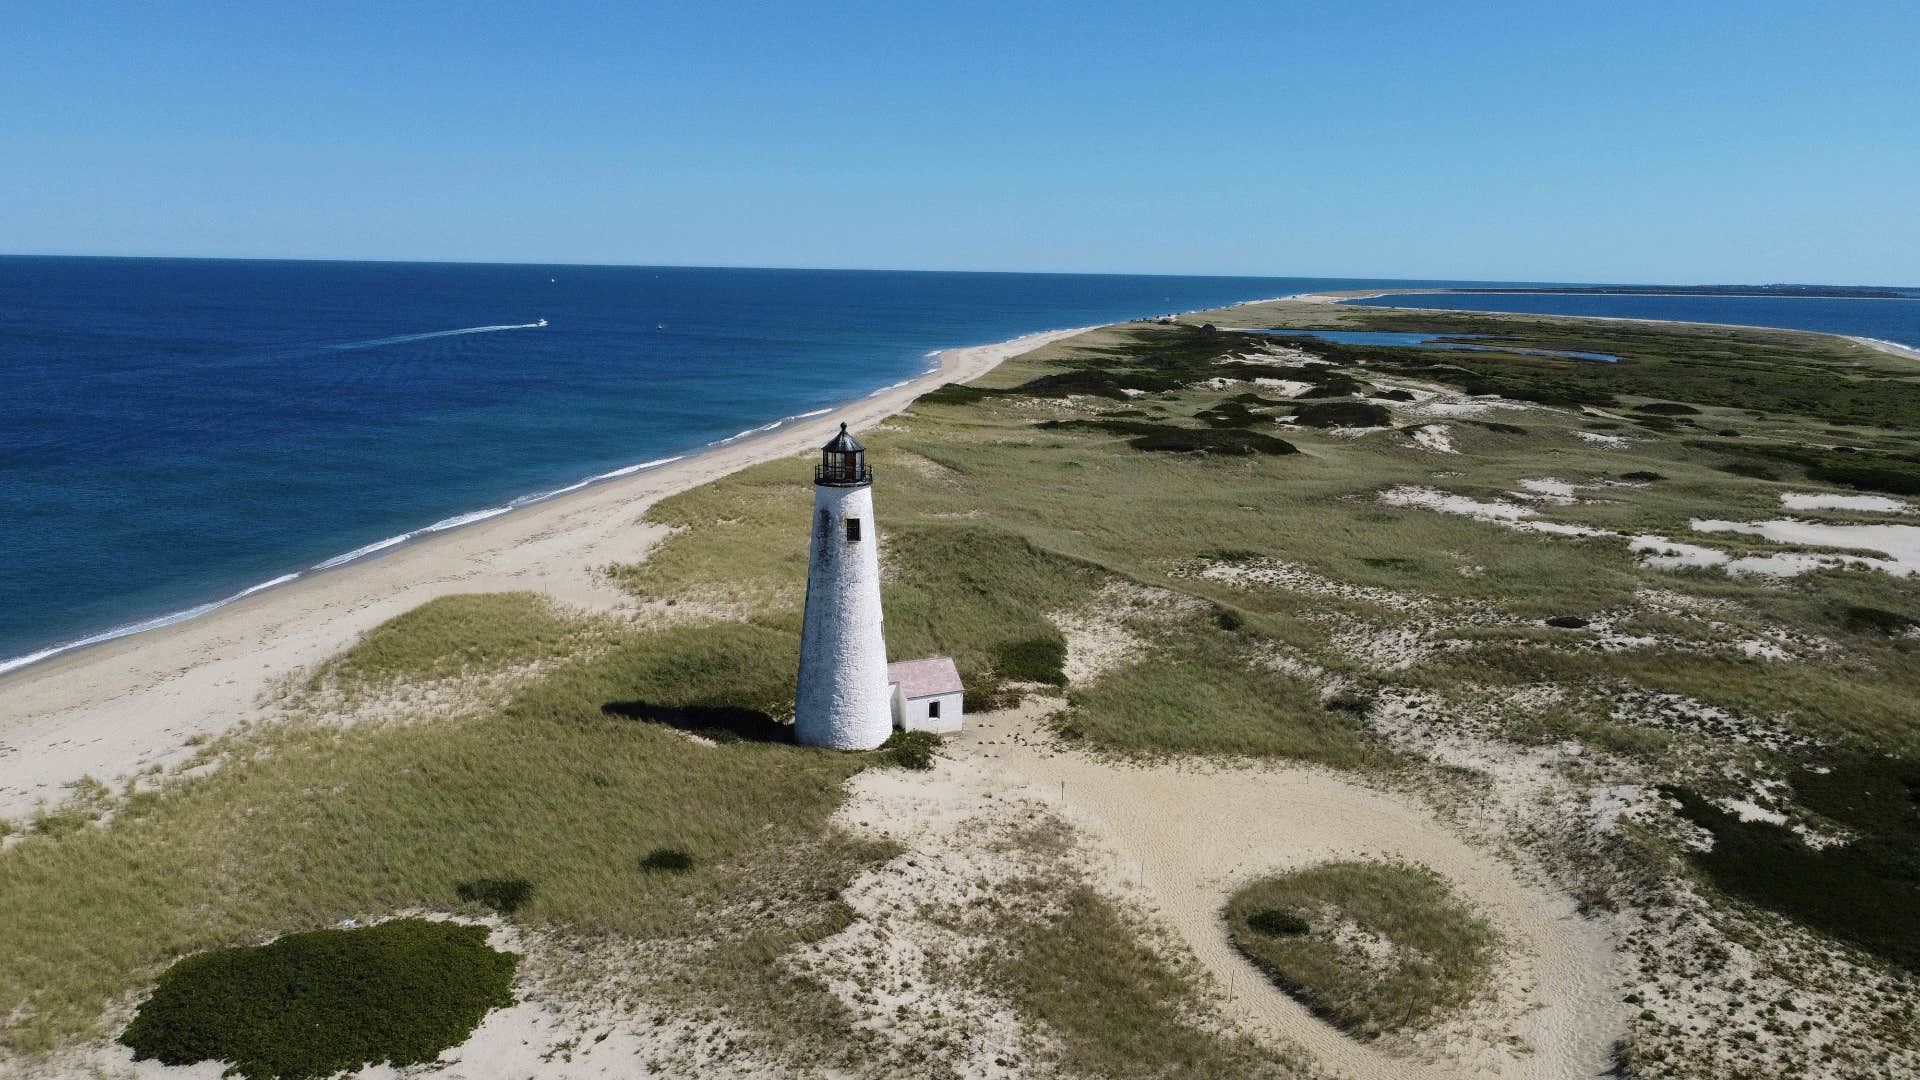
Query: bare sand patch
1261	819
1829	500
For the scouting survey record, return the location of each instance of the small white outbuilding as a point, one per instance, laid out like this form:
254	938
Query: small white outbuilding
926	695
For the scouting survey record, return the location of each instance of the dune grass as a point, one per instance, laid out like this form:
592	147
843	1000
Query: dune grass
1201	694
307	824
450	635
1373	947
1119	1008
976	558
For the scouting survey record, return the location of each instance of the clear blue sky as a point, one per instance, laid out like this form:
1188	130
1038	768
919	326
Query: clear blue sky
1709	142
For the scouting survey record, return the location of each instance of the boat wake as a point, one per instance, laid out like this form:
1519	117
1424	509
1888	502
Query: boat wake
402	339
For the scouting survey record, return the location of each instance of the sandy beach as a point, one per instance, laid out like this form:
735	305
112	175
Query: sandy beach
116	708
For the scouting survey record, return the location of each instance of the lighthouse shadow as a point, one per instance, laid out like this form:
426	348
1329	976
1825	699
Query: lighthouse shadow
720	723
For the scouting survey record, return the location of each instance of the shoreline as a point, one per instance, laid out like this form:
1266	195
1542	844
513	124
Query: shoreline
1893	348
116	706
462	520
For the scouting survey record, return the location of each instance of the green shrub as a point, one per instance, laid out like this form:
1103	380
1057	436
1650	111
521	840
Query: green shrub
910	749
1277	923
1343	414
1753	470
314	1004
1862	892
956	394
667	861
1038	659
504	895
1232	442
1872	620
1230	414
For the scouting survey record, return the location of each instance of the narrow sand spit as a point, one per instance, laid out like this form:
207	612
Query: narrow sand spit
1892	347
1187	835
113	709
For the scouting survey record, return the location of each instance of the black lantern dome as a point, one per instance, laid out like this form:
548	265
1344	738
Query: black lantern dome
843	462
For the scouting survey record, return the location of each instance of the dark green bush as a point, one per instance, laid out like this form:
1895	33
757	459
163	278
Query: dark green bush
1642	475
504	895
1335	386
1753	470
318	1003
910	749
1230	414
667	861
1232	442
956	394
1864	891
1567	622
1877	621
993	695
1354	702
1343	414
1096	383
1278	923
1040	659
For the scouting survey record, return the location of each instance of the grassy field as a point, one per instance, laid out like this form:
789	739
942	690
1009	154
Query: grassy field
1373	947
1309	613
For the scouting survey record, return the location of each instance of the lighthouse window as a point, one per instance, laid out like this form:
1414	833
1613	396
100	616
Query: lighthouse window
853	530
933	710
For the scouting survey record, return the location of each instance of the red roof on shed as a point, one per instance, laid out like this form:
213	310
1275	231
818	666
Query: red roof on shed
925	678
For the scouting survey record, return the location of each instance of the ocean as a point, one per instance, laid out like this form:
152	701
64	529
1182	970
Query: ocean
178	432
1897	321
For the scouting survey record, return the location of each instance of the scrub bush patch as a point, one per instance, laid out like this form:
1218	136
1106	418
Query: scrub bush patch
318	1003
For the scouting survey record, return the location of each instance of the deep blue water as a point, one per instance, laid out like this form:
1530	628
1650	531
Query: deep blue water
1889	320
1432	341
175	431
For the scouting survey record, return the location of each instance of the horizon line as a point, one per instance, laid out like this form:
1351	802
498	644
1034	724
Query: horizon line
930	270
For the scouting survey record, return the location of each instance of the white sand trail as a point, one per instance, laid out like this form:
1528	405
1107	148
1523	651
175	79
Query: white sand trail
1190	834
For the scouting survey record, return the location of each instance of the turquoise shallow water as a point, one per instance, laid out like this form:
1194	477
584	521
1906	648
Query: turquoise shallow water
178	431
1432	341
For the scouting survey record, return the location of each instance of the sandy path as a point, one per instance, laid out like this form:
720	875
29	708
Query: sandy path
1189	834
110	710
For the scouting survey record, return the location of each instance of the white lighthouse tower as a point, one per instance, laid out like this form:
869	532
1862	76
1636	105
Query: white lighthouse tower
845	701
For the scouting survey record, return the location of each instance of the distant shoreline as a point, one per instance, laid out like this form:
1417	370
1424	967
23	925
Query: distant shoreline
1893	348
